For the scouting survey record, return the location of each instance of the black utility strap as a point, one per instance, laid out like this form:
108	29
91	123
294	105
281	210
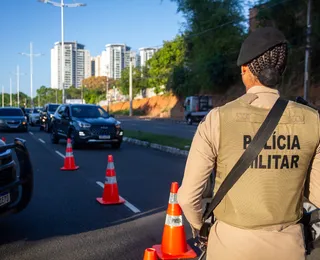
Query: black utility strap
250	154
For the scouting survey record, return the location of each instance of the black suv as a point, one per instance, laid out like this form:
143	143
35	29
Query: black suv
15	188
85	124
45	116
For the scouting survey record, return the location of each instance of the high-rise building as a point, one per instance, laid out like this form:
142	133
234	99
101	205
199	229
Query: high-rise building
146	54
113	60
75	64
87	64
95	66
135	59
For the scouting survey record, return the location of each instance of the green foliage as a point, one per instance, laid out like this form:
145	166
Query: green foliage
291	18
164	61
213	36
138	82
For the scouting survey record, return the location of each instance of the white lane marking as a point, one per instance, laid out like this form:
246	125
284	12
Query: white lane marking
60	154
41	141
31	133
127	203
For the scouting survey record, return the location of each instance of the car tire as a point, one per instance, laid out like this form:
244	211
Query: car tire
116	145
54	136
46	128
189	120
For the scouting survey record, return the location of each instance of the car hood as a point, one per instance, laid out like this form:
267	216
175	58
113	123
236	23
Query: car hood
98	120
12	118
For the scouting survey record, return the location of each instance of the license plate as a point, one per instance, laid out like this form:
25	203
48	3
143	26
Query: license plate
4	199
104	136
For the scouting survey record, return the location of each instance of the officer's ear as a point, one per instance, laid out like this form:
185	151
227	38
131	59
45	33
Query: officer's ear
244	69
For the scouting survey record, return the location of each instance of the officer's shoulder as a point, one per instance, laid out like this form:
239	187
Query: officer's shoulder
305	108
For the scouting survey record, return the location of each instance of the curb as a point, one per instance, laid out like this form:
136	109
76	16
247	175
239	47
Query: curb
163	148
177	121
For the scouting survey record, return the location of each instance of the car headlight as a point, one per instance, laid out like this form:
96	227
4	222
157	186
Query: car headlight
51	116
83	125
118	124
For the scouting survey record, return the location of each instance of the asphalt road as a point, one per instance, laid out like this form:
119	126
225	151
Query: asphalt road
159	127
64	221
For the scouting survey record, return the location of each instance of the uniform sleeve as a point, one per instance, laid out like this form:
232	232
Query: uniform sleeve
314	184
199	166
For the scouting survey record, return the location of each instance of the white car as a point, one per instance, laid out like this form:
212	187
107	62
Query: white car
34	116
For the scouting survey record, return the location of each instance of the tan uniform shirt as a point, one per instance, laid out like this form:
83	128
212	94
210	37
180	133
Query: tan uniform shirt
225	241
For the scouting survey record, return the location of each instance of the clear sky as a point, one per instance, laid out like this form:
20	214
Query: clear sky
137	23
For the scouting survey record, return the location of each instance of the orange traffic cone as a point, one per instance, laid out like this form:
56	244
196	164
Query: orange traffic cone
174	244
110	192
150	254
69	163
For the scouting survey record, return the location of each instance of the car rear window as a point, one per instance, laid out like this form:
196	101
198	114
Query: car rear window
11	112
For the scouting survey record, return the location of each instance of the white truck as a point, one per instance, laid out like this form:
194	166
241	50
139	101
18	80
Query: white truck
196	108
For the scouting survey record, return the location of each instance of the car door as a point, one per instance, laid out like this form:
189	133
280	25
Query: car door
65	120
58	120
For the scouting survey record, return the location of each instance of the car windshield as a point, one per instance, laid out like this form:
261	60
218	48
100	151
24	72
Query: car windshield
53	108
88	112
11	112
35	110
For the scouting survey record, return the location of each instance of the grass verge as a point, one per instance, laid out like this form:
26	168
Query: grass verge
136	112
167	140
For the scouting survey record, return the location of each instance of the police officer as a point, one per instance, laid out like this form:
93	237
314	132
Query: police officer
258	218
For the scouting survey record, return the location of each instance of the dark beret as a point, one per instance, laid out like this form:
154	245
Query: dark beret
258	42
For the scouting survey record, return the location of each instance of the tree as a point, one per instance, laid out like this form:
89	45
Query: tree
290	17
213	35
93	82
138	82
163	62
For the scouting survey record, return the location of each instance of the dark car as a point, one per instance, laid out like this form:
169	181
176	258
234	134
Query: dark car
12	118
85	124
15	189
46	115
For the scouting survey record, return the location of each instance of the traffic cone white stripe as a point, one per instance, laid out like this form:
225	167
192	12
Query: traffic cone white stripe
110	165
69	154
174	221
173	198
110	180
69	145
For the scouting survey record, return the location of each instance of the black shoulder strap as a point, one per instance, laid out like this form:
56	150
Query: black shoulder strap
253	150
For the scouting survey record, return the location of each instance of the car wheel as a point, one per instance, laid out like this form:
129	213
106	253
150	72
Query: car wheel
46	128
54	136
116	145
189	120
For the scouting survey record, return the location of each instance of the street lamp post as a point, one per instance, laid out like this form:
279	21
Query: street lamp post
62	5
10	92
31	55
2	96
18	74
130	86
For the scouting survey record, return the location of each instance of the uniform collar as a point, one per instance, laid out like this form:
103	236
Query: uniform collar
262	89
